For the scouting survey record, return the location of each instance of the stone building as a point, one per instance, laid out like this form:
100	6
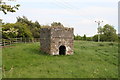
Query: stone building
57	40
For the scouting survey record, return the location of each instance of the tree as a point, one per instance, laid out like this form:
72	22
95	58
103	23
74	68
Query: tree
119	37
100	30
56	24
34	27
89	38
37	24
109	32
84	37
6	32
8	8
23	30
26	28
25	20
95	38
78	37
13	30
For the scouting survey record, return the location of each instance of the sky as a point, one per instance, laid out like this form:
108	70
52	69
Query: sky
79	14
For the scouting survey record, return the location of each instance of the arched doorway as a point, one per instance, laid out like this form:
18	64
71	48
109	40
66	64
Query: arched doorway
62	50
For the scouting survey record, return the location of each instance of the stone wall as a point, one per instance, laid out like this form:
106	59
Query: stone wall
45	40
52	38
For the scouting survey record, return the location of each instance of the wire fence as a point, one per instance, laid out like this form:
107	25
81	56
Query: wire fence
4	42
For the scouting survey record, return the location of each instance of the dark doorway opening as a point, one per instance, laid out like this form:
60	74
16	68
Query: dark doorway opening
62	50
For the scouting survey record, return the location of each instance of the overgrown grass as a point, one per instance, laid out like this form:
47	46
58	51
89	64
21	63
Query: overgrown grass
0	63
90	60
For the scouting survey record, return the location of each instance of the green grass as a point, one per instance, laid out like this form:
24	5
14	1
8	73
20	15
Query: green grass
90	60
0	62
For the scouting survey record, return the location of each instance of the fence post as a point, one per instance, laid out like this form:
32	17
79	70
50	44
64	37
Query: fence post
16	40
25	40
3	42
10	41
29	40
21	39
33	40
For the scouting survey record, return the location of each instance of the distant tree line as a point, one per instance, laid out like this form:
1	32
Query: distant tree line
28	29
24	28
107	33
83	38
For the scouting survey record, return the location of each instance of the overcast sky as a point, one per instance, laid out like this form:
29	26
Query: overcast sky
79	14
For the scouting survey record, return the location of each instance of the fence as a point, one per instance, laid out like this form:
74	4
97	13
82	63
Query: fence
4	42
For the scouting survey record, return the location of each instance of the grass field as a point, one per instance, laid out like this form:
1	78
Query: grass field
0	63
90	60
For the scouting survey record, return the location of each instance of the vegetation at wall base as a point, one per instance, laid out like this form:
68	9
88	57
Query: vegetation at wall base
90	60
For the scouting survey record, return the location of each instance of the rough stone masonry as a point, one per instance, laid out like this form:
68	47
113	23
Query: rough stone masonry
57	40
